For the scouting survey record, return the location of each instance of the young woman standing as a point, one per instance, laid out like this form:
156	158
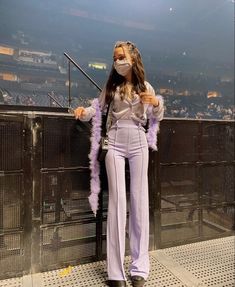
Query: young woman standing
133	101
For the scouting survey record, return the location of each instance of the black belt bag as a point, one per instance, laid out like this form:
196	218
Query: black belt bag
104	145
104	142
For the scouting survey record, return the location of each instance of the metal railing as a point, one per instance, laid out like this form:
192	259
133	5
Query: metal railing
71	60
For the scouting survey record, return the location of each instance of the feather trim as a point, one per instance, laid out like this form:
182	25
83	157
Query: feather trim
153	129
94	163
152	132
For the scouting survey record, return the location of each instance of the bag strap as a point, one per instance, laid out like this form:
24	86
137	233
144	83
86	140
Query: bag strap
107	119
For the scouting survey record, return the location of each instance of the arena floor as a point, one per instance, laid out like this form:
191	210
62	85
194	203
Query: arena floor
207	263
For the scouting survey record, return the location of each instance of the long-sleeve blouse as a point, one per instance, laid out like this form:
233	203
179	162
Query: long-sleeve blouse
127	109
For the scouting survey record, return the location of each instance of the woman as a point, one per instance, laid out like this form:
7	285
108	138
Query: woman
132	100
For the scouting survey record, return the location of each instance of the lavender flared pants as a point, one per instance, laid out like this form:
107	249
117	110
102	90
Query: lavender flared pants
127	140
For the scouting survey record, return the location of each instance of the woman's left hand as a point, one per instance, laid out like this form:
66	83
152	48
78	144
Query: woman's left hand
147	98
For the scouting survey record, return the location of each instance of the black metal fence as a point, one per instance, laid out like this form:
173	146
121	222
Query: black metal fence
45	218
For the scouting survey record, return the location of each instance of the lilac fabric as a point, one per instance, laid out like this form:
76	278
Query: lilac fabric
95	142
127	140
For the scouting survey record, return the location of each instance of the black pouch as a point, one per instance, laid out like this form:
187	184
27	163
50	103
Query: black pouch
104	144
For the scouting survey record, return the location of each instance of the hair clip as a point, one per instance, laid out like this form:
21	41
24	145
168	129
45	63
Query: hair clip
131	44
119	43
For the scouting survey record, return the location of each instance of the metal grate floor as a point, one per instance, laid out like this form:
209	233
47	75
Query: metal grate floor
207	263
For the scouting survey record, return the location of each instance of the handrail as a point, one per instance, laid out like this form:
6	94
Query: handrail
51	97
82	71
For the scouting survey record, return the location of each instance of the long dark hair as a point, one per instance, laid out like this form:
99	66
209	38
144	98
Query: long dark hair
138	73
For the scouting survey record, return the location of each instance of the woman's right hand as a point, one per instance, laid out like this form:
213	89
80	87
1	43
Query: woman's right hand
79	112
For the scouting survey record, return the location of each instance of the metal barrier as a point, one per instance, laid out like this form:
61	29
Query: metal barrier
45	219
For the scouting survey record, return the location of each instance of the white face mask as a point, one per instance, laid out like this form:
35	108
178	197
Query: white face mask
122	67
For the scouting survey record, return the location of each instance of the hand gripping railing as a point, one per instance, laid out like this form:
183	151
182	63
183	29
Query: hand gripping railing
70	60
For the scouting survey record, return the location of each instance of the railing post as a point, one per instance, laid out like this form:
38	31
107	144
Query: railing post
69	100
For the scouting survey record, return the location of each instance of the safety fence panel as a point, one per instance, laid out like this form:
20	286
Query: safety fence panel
45	218
196	176
13	197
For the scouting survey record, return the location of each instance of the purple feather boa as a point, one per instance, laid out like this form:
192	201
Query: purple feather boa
152	131
94	164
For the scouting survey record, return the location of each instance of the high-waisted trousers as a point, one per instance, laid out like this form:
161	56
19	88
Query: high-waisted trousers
127	140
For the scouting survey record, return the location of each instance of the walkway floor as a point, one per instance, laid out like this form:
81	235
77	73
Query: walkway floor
207	263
